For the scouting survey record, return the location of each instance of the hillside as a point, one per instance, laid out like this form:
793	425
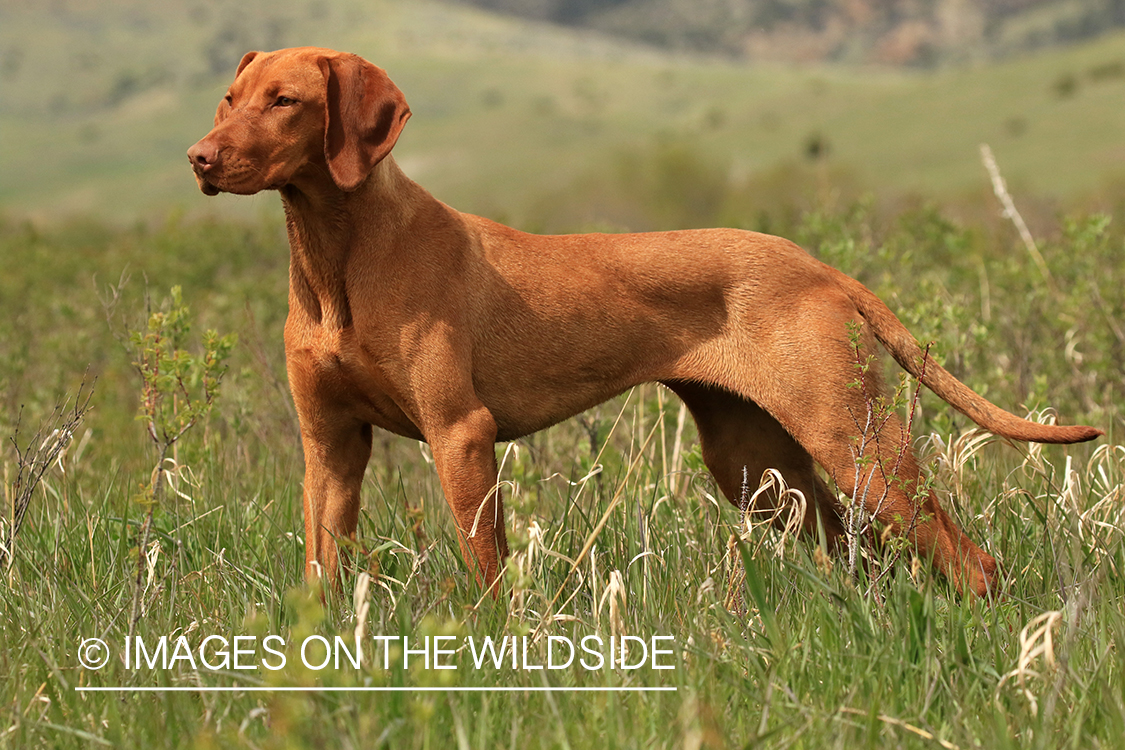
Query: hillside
541	125
898	32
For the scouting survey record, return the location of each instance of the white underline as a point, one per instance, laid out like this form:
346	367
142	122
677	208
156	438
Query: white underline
262	689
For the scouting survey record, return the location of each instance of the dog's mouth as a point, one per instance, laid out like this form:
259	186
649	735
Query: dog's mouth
205	185
212	184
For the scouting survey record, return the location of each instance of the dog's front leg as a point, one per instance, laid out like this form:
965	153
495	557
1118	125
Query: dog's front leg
336	455
465	455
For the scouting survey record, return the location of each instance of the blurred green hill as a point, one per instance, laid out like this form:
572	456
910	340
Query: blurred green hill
901	32
545	126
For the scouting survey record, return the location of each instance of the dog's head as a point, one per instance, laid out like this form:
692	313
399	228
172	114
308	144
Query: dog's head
299	114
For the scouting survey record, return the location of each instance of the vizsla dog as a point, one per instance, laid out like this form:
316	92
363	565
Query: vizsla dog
407	315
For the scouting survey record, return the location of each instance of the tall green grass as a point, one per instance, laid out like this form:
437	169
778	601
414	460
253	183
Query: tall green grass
775	645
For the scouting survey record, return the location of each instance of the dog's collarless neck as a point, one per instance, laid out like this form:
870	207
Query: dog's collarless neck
319	248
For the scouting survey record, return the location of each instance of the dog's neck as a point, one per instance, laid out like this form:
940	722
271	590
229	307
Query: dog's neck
328	227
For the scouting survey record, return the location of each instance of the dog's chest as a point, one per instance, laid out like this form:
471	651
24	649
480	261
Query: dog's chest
331	372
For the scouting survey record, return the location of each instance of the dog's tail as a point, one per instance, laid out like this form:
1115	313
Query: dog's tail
901	344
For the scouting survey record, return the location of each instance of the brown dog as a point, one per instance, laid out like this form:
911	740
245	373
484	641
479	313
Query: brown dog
445	327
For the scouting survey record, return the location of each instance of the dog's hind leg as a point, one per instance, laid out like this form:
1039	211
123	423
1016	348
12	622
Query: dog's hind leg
740	441
835	410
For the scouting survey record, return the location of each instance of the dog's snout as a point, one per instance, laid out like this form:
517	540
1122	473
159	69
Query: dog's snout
204	158
203	155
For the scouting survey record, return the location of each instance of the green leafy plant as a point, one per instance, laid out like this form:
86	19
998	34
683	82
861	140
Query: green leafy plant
179	389
861	511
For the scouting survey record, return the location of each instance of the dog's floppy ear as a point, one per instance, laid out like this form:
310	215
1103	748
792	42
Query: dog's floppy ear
224	107
246	60
364	114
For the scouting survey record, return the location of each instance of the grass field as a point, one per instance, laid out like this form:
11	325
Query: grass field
774	645
615	526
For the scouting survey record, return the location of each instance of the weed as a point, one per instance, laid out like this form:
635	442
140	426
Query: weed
45	449
178	391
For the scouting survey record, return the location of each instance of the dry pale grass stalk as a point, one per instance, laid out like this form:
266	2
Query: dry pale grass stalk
384	581
1106	516
47	448
736	578
615	594
902	725
618	498
663	437
1062	504
1033	462
1036	640
953	455
523	564
1069	497
1000	188
786	514
173	477
677	451
495	491
594	573
361	602
152	557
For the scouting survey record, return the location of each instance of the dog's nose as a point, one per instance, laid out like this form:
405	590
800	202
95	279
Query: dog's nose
203	156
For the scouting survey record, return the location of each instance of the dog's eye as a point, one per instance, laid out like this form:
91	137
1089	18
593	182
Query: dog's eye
284	101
